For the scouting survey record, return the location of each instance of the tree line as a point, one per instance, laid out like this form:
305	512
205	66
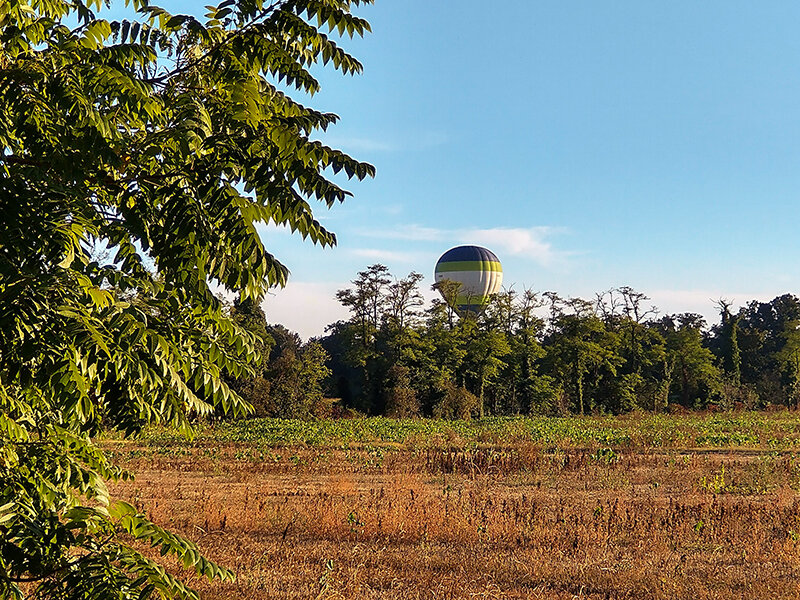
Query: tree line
528	353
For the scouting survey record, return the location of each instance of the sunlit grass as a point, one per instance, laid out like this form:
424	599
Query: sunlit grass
641	506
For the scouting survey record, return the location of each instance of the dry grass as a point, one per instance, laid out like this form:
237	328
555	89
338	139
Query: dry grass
513	522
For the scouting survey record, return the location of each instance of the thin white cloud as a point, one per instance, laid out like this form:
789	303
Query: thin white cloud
395	142
385	255
430	139
530	243
415	233
393	209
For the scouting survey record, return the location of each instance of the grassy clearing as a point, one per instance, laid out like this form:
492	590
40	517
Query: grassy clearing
634	507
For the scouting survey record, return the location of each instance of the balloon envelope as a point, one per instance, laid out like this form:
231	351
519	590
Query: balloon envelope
477	272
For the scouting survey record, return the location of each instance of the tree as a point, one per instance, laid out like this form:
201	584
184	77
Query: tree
788	358
580	350
763	330
289	375
295	376
163	140
687	360
381	334
635	314
366	301
521	387
483	361
730	354
641	377
400	398
403	300
440	357
455	403
449	290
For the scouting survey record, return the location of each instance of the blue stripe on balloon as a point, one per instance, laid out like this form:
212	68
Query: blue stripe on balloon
465	253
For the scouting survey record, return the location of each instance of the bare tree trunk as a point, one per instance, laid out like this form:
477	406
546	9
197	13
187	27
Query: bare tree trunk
483	410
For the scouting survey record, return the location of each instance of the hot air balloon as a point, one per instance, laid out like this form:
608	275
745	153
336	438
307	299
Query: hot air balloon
475	272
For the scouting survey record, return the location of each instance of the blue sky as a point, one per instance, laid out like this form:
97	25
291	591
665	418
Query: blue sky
588	144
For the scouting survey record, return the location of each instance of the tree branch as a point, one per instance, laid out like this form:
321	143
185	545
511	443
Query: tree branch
191	64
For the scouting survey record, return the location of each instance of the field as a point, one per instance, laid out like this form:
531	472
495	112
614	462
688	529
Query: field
632	507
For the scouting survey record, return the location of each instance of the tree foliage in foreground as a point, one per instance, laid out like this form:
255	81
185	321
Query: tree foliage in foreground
161	141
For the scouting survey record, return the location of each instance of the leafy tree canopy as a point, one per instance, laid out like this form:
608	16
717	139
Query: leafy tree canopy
160	141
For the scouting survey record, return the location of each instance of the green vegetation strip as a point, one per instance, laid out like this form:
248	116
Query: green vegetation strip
727	430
